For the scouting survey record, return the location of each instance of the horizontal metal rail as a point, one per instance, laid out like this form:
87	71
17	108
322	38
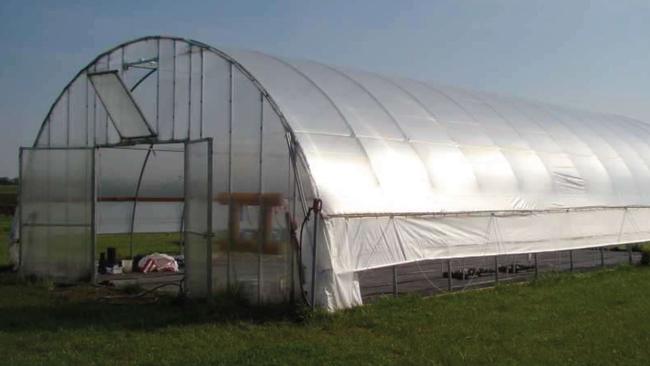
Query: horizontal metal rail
497	213
35	224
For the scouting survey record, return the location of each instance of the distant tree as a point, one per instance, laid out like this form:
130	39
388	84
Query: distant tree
6	181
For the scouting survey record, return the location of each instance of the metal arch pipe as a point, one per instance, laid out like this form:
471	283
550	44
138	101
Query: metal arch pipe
135	86
144	165
313	260
296	153
296	173
222	54
202	45
135	201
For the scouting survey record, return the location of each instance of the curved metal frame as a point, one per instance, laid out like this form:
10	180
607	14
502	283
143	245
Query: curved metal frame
295	152
296	155
266	95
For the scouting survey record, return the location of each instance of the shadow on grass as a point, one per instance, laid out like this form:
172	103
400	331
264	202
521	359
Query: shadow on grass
40	306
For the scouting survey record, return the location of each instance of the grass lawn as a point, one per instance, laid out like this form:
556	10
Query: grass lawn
8	189
8	195
143	243
5	226
596	318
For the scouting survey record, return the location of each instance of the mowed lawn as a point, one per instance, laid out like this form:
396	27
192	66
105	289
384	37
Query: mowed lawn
595	318
7	196
8	189
5	226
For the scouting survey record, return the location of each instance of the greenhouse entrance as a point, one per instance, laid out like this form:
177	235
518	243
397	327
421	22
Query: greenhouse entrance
60	217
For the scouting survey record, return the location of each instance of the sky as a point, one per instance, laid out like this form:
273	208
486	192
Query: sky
593	55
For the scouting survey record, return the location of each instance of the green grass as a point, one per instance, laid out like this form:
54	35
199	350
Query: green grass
8	195
597	318
143	243
8	189
5	226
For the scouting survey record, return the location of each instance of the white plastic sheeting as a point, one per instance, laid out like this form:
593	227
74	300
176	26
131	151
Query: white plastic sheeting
410	170
406	146
407	170
361	243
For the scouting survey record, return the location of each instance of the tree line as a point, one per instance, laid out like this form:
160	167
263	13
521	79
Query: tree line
6	181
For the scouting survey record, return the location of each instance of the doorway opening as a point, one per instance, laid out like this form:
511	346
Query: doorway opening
78	225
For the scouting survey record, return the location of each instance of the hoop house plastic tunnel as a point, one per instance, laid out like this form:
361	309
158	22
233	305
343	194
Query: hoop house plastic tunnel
166	134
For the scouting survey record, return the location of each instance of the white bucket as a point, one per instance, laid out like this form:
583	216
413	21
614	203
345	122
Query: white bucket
127	265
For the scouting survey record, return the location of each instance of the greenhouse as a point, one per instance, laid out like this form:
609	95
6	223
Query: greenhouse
289	179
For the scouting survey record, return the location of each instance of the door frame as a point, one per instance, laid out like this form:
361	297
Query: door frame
93	202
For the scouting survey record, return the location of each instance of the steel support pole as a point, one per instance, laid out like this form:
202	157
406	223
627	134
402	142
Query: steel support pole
174	91
93	217
449	274
21	224
292	249
571	260
189	94
158	86
262	209
86	111
496	269
231	234
629	253
108	67
210	233
536	266
135	201
313	261
94	117
602	257
395	290
184	233
201	98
